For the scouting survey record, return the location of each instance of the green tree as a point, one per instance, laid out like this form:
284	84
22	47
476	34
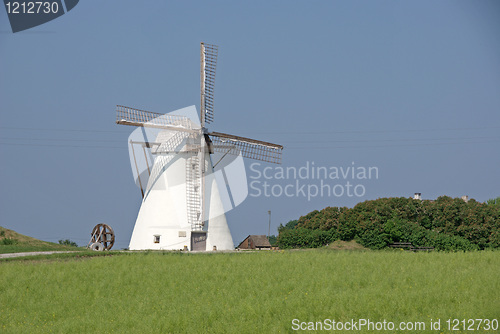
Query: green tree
290	225
273	240
494	201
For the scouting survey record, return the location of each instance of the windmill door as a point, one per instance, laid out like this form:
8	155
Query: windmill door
199	241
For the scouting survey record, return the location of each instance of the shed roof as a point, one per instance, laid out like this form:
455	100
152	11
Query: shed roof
258	240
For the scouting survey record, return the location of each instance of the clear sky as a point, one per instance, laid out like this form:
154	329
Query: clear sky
409	87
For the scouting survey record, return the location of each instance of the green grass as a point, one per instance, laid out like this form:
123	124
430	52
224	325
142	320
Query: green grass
74	255
246	292
4	249
13	242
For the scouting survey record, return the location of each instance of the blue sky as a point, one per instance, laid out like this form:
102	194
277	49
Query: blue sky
409	87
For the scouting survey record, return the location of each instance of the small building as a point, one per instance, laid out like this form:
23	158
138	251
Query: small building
255	242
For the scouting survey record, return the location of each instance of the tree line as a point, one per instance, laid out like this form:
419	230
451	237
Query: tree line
445	223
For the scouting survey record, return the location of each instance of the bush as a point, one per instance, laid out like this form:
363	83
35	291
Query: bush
68	242
404	231
8	241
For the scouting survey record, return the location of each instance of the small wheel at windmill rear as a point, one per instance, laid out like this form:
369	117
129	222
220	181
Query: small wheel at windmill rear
104	235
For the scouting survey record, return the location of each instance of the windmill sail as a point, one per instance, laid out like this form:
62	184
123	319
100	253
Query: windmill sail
249	148
208	55
143	118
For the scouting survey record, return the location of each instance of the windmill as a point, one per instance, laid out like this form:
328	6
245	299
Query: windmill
182	206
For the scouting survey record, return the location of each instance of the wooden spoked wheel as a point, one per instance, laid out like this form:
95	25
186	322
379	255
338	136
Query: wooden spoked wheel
102	234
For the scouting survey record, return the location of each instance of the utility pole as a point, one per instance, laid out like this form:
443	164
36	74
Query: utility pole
269	230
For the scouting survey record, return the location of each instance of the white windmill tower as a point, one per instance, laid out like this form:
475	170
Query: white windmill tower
182	205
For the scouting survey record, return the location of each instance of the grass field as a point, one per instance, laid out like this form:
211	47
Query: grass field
245	292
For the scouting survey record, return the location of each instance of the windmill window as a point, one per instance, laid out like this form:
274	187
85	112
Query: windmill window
156	239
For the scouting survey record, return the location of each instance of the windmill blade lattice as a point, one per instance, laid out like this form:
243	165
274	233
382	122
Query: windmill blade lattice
208	60
144	118
249	148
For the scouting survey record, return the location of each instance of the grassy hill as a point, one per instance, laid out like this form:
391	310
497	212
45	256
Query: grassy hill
13	242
